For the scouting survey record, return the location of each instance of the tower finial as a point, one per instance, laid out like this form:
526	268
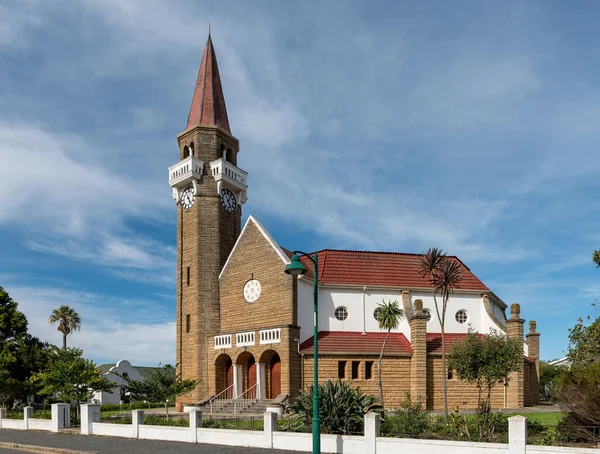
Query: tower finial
208	28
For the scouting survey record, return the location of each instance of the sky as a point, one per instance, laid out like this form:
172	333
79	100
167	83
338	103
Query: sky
395	126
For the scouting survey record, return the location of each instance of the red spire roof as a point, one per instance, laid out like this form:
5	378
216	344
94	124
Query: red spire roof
208	104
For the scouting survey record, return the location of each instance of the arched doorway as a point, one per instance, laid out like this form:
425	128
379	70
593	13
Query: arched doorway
248	375
275	367
224	376
251	379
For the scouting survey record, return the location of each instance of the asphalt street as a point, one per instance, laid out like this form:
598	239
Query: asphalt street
91	443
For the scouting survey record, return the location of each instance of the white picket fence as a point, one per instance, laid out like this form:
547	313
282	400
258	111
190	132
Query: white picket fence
369	443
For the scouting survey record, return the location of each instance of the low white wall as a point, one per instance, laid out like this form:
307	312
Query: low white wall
40	424
166	433
395	445
531	449
247	438
18	424
113	430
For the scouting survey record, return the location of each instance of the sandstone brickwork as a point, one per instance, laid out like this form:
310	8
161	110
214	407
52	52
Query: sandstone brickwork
418	340
516	386
206	234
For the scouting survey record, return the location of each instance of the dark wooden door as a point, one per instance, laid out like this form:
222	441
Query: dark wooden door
275	379
251	381
229	382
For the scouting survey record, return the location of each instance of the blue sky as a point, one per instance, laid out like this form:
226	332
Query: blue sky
390	126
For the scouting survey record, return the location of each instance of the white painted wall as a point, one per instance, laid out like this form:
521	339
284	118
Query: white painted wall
114	397
361	305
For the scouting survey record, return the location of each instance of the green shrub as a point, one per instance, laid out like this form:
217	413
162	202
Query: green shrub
154	420
341	407
410	420
131	406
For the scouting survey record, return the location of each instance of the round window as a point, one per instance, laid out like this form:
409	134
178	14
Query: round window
427	312
376	313
341	313
252	290
461	316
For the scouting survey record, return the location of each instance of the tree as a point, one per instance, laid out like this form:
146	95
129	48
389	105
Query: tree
596	258
20	353
549	376
388	316
584	341
68	321
445	275
163	385
71	377
342	408
486	360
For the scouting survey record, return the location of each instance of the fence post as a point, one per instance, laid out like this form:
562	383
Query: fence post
137	418
195	422
517	435
27	415
371	428
2	415
61	416
90	413
270	426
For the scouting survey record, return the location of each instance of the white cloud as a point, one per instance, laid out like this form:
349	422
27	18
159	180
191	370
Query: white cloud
140	331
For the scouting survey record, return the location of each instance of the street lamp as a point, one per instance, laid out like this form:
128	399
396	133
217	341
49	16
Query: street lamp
296	268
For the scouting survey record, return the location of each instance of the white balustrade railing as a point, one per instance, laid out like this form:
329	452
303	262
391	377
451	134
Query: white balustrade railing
270	336
185	170
245	339
224	170
223	341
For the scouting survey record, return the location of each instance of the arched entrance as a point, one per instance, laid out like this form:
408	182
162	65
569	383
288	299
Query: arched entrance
248	375
224	376
272	369
275	377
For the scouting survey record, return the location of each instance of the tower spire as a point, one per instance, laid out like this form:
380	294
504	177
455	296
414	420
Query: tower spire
208	103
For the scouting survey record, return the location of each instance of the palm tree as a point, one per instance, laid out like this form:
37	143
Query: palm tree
388	316
68	321
445	275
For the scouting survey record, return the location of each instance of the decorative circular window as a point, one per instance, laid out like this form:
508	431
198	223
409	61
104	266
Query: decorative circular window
252	290
341	313
427	312
461	316
376	313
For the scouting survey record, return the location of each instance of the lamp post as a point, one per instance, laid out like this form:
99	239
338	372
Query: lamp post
296	268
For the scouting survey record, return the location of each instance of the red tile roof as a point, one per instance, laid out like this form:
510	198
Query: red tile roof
385	269
208	103
351	342
434	341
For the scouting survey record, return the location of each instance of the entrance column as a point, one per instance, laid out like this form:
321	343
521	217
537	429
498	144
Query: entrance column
238	380
261	392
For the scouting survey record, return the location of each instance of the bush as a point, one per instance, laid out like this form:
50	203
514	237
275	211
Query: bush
410	420
461	427
154	420
342	408
131	406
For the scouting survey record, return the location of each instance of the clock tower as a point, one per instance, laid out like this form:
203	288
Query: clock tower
209	190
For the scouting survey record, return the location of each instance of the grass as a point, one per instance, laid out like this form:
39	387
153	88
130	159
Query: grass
544	418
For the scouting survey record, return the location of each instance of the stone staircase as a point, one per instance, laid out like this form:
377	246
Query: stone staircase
246	408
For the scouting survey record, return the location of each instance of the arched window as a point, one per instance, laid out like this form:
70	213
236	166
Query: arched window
192	148
186	151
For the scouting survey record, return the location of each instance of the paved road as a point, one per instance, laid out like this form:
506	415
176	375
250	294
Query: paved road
99	444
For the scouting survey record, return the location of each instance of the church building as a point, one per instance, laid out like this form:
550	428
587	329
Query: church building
245	327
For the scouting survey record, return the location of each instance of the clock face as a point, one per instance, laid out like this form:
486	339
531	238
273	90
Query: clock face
187	197
228	200
252	290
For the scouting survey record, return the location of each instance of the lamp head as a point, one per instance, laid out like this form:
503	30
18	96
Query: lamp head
295	268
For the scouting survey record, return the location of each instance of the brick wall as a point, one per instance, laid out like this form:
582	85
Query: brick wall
205	236
396	375
255	258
